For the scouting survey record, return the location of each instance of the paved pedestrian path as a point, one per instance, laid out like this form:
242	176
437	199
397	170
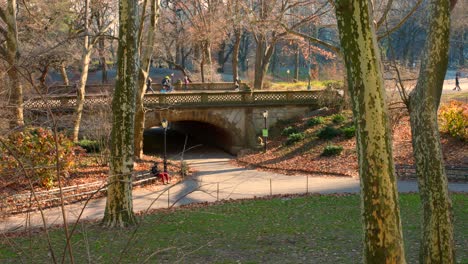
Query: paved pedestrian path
215	179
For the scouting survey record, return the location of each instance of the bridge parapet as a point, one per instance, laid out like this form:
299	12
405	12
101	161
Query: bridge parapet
191	99
108	88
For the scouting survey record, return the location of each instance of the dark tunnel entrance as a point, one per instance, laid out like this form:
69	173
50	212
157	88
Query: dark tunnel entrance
198	133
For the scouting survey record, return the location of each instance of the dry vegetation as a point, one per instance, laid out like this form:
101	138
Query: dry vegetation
306	157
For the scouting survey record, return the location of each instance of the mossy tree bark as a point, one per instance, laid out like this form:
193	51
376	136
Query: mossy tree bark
383	239
437	245
119	207
146	51
11	53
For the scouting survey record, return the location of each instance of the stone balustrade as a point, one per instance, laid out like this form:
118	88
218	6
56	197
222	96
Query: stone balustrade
108	88
188	99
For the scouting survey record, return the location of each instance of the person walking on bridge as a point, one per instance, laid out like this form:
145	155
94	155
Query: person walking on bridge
148	85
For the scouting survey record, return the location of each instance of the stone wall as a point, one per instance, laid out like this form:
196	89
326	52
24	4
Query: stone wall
242	124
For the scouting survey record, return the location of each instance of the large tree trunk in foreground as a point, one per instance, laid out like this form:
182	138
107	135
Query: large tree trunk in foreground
383	239
119	206
146	51
437	245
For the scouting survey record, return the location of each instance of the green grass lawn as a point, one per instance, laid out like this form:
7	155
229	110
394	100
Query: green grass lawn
311	229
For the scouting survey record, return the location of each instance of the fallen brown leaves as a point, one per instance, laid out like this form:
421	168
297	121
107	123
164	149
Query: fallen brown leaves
305	158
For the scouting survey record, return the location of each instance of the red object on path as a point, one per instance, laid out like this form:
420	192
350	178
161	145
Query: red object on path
164	176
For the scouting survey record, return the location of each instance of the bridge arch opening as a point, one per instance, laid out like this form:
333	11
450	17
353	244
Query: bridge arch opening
198	133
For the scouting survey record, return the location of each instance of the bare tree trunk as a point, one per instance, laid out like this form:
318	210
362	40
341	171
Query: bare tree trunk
80	89
209	60
63	72
296	63
119	207
202	67
16	99
383	238
437	244
103	60
146	51
461	46
235	55
80	93
259	53
221	51
11	52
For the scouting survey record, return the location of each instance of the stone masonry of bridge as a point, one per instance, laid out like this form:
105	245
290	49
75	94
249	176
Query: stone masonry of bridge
237	114
242	124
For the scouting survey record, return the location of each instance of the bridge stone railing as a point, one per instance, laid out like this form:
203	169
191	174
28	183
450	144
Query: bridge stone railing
108	88
189	99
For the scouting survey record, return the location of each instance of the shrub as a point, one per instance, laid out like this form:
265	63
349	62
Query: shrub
315	121
288	131
332	150
35	149
184	168
330	98
338	118
91	146
329	133
349	132
333	84
454	119
294	137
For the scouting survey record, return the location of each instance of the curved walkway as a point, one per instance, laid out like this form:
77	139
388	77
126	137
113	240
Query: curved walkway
215	179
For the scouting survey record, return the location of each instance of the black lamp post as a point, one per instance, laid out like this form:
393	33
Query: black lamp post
164	125
265	131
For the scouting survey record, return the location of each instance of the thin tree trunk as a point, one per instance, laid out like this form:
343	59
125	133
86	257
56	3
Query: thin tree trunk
81	92
221	51
259	53
296	63
16	99
383	238
119	207
146	51
437	245
80	89
202	67
235	55
461	46
63	72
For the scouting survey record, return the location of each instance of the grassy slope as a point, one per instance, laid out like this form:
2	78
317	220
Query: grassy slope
312	229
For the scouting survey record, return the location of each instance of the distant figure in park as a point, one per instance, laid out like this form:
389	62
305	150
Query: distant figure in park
75	87
457	82
148	85
237	84
157	173
186	81
166	83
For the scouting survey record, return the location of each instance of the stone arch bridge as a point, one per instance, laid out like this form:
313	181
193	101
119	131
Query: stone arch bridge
232	120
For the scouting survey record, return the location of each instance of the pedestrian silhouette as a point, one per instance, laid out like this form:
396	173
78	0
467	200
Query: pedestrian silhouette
457	82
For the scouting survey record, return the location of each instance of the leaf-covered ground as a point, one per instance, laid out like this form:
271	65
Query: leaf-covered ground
305	157
88	169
